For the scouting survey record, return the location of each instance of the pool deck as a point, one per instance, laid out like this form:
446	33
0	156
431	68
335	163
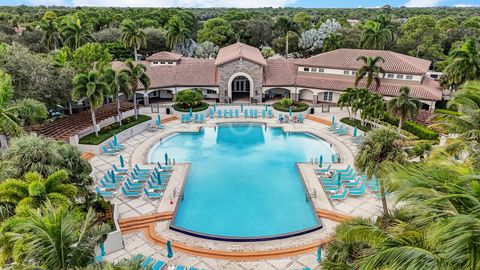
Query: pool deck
140	242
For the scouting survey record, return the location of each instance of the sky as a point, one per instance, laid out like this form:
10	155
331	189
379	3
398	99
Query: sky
246	3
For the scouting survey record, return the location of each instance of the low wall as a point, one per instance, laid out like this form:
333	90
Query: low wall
114	240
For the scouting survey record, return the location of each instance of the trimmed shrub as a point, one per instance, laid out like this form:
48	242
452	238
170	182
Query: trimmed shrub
422	132
296	106
355	123
179	107
450	112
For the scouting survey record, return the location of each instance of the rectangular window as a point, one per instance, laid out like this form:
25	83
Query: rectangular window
354	73
327	96
155	62
399	76
346	72
211	91
390	76
409	77
306	69
170	63
314	70
321	70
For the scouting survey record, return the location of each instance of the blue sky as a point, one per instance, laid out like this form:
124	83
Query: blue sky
246	3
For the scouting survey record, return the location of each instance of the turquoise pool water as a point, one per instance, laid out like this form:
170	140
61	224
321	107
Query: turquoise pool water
243	181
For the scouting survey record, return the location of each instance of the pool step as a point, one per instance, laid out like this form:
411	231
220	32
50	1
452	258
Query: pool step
141	222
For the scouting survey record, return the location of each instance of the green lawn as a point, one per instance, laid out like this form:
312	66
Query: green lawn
108	131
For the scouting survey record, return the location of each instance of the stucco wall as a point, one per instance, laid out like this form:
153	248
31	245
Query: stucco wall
225	72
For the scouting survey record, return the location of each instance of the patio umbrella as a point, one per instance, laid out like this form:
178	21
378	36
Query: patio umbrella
333	158
166	158
355	132
191	112
115	141
266	107
215	107
320	161
158	119
241	107
319	254
112	175
169	249
333	119
290	111
122	163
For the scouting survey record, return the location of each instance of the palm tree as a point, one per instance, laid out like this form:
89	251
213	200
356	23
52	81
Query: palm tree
381	148
404	106
119	84
286	25
346	99
52	36
464	64
54	237
132	36
92	88
332	42
177	32
371	70
34	190
76	34
136	73
375	36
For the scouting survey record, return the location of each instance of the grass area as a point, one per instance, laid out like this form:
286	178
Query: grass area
297	107
178	107
355	123
108	131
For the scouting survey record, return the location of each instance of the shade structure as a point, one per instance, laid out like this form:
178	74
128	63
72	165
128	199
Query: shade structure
333	119
122	162
320	161
355	132
169	249
319	254
290	111
166	158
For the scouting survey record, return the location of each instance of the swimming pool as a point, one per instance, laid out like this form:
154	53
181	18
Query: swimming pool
243	182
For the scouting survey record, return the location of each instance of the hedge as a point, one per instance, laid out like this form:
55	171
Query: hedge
107	132
299	107
203	106
355	123
450	112
418	130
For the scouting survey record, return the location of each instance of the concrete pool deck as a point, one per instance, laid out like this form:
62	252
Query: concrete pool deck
137	242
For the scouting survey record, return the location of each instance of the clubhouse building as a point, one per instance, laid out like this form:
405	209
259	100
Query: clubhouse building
241	74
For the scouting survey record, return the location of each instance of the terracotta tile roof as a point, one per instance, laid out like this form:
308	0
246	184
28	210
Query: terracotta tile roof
280	72
428	90
347	59
68	126
164	56
237	51
196	72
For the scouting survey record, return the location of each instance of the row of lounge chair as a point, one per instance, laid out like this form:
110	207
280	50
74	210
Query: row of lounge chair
346	182
113	148
247	113
132	183
287	119
197	118
338	129
152	264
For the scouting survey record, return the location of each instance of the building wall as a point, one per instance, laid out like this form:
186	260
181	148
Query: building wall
227	70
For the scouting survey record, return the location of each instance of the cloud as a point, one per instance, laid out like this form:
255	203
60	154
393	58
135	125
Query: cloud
466	5
47	2
182	3
422	3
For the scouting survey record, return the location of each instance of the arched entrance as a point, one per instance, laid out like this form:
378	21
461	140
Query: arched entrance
241	89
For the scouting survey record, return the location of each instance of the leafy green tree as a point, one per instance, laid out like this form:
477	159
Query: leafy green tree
267	52
285	25
136	74
346	99
206	50
155	39
91	56
404	106
91	87
33	190
177	32
54	237
134	263
375	37
132	36
52	37
218	31
119	84
371	70
189	98
76	34
381	148
303	20
332	42
464	64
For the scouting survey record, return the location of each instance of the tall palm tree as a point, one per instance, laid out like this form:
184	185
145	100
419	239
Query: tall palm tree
404	106
464	64
54	237
132	36
332	42
119	84
34	190
381	148
375	36
52	36
286	25
76	34
370	70
136	74
177	32
92	88
346	99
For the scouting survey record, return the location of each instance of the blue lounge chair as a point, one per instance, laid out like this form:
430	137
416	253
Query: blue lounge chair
255	114
349	167
353	183
236	113
264	113
147	262
201	120
138	177
131	188
245	113
195	118
335	188
140	174
159	265
219	113
112	177
165	168
150	194
103	193
107	185
225	114
133	183
180	267
341	196
117	170
130	193
231	113
323	169
192	268
348	177
358	191
333	182
141	170
115	147
270	114
154	185
182	118
106	151
211	113
300	118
